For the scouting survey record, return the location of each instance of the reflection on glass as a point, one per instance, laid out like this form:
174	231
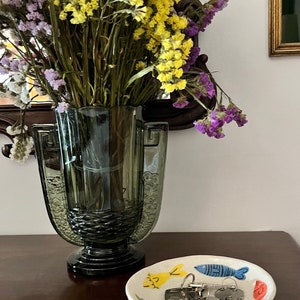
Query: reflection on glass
290	21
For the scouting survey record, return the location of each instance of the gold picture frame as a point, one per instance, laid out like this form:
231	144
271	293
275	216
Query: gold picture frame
276	45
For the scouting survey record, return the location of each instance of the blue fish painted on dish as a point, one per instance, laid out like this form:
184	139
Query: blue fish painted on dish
216	270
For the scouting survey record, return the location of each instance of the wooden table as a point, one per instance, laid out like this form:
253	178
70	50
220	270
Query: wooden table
34	267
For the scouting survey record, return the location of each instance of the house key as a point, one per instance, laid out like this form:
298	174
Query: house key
195	291
186	293
229	293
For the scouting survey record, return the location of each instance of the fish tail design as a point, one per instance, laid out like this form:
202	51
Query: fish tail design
176	271
240	273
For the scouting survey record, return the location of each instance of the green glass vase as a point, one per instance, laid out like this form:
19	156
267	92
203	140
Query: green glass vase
102	174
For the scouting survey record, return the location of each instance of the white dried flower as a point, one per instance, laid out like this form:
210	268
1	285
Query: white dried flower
15	83
22	146
24	95
17	102
16	129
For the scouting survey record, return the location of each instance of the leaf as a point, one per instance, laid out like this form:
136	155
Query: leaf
138	75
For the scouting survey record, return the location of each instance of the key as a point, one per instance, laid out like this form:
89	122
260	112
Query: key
229	294
186	293
177	294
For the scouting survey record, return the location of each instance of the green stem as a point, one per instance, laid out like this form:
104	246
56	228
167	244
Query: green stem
196	99
65	55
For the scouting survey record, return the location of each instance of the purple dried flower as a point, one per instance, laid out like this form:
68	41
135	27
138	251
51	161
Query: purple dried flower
213	123
192	29
18	65
203	77
206	87
180	103
221	4
230	114
216	119
194	53
240	119
27	26
211	8
44	27
62	107
35	20
210	89
5	61
215	132
35	5
54	79
204	126
3	71
35	16
200	126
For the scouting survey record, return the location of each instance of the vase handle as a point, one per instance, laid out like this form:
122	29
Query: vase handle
47	152
155	148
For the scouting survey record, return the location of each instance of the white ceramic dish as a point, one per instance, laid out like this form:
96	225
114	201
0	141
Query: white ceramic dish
151	282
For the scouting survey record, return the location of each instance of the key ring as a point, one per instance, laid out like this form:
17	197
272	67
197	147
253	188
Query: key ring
192	291
186	277
229	291
204	291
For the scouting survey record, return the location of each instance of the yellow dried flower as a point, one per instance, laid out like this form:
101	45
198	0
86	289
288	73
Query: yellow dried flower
136	2
167	55
163	67
79	9
186	48
140	65
167	44
140	13
162	32
164	77
178	73
138	33
152	45
177	22
63	16
180	85
178	37
168	87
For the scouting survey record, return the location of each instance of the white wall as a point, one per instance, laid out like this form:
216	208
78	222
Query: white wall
250	179
22	210
247	181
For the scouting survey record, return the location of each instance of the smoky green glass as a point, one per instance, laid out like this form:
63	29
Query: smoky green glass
102	174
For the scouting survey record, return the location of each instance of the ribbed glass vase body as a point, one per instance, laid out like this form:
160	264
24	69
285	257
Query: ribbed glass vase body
102	174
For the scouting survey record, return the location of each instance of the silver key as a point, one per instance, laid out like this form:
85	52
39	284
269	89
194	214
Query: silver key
229	294
186	293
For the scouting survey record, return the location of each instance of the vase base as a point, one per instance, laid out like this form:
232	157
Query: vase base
100	263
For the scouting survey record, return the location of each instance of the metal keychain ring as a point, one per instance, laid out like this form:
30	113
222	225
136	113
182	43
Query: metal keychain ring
186	277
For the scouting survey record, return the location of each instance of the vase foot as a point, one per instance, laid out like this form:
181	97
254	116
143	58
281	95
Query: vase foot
91	262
